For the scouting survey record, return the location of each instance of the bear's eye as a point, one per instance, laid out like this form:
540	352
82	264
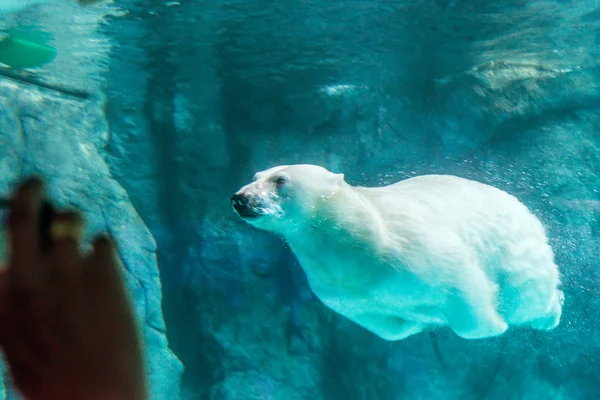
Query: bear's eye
280	181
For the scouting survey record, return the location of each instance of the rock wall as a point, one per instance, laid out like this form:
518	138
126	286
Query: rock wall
63	139
69	156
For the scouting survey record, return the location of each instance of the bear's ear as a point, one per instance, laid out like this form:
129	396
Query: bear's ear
339	178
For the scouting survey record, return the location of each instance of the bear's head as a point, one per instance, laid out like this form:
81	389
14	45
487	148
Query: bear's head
284	198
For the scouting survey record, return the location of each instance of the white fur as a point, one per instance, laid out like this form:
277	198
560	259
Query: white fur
434	250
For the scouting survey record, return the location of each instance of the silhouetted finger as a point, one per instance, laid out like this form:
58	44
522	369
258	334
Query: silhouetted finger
104	289
106	283
23	220
66	232
103	258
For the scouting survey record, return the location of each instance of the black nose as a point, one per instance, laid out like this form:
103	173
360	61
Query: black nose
241	205
240	201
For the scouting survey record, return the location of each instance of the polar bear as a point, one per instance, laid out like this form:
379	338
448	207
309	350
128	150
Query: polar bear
433	250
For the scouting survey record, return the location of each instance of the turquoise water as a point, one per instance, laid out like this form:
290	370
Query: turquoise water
154	113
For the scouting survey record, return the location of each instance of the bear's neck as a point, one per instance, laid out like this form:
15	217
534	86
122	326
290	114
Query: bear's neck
343	226
344	212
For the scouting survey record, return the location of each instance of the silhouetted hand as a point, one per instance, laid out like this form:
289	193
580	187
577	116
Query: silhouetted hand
67	327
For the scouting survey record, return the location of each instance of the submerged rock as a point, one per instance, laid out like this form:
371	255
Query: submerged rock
61	140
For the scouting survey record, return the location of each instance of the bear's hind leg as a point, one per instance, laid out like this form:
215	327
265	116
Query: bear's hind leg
471	312
389	327
552	319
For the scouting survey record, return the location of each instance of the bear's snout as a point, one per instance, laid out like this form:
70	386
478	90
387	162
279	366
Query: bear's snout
241	205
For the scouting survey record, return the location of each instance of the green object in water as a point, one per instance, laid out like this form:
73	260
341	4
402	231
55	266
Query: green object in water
22	52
